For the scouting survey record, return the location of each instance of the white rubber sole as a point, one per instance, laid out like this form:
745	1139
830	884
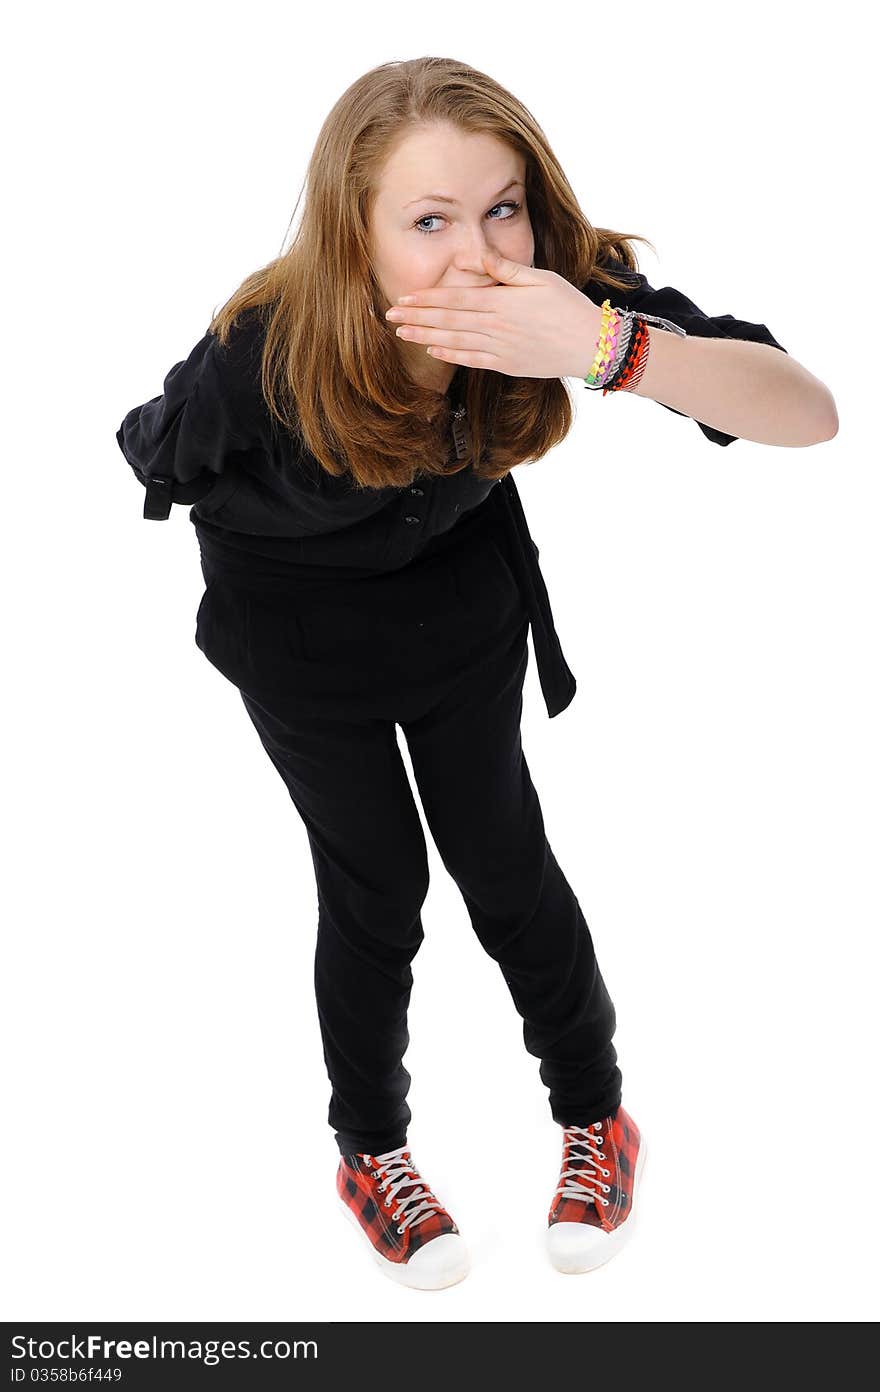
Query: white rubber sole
571	1264
449	1259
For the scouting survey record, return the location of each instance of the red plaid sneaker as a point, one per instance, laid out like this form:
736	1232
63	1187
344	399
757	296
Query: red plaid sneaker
412	1237
591	1215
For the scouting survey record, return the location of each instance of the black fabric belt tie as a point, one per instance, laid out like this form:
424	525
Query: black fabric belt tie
558	683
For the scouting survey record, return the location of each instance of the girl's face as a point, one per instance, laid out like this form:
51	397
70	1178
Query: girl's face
443	197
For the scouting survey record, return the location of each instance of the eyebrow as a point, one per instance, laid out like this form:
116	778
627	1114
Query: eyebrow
442	197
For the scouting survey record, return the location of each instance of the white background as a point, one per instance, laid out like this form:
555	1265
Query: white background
711	793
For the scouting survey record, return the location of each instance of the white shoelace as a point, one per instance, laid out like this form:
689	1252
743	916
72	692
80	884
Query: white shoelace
577	1182
399	1173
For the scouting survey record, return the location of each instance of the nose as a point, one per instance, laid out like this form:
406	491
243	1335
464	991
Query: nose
472	266
469	255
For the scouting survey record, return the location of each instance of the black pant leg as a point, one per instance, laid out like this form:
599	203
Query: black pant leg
485	818
350	787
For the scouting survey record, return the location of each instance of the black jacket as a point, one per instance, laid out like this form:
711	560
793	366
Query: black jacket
209	441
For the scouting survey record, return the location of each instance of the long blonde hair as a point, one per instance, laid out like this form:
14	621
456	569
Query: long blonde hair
331	374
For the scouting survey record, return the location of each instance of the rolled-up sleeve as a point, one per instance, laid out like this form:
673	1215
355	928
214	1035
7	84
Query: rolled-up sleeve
181	442
672	304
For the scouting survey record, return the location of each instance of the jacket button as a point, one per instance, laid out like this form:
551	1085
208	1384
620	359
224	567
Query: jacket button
419	492
410	518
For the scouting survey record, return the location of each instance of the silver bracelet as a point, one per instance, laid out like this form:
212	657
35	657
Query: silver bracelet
661	323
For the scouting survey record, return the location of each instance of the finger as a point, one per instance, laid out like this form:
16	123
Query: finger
446	338
434	317
465	359
451	297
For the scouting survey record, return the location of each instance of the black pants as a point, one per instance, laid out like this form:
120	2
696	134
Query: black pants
326	674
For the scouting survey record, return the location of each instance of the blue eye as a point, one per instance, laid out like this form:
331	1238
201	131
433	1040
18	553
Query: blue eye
429	231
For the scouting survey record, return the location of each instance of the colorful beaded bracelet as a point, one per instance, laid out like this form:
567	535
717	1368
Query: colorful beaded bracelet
622	348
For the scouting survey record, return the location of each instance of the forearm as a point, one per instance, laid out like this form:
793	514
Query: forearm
750	390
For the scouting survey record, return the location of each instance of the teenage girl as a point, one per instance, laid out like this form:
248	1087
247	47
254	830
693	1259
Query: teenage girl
346	431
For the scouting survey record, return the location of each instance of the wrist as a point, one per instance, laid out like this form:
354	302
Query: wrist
588	338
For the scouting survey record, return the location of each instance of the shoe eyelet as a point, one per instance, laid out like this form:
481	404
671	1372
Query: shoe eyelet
606	1202
400	1230
387	1203
607	1188
606	1173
